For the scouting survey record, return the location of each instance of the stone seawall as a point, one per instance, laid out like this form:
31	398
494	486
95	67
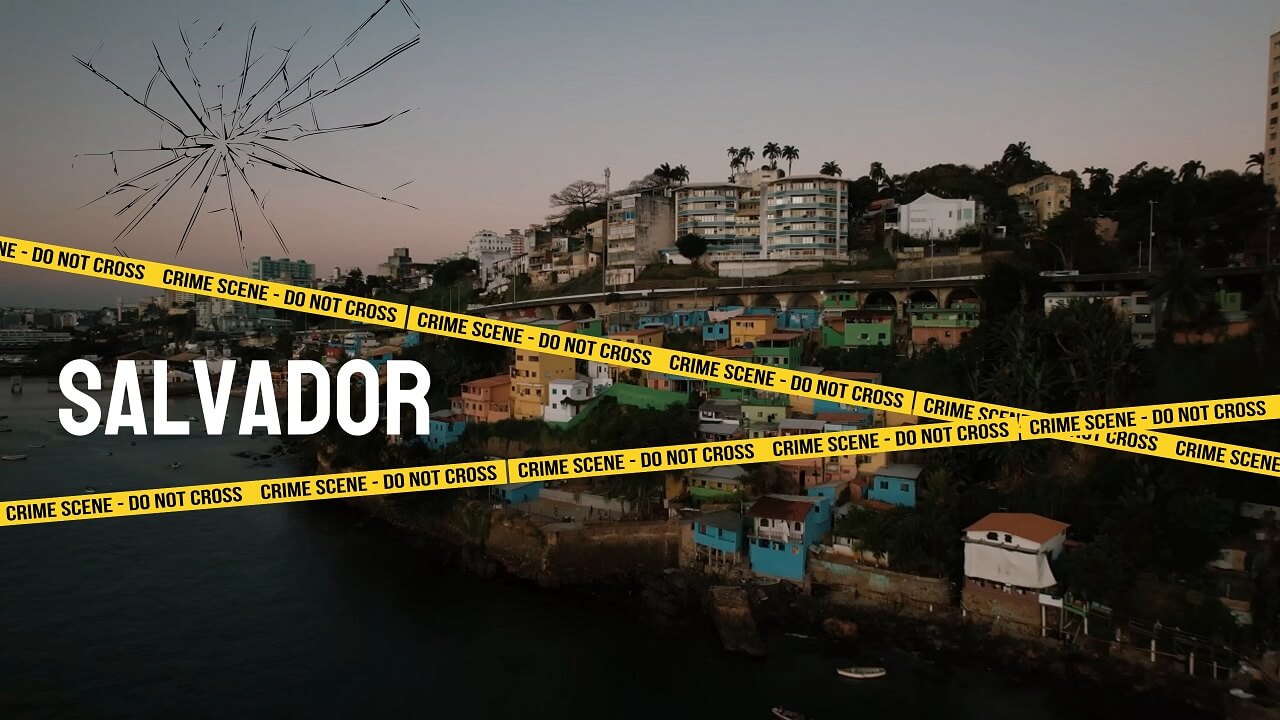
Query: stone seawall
856	584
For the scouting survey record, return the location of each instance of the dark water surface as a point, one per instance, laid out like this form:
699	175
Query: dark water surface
300	611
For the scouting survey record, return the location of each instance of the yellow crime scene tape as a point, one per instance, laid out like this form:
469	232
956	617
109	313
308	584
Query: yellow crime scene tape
364	483
1065	426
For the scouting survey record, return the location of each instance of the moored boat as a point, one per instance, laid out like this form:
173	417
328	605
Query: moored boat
785	714
13	457
861	673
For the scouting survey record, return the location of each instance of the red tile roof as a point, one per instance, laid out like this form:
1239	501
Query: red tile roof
1035	528
776	508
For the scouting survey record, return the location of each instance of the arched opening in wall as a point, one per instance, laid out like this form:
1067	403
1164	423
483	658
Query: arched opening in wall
768	301
542	313
963	296
586	311
923	297
804	300
880	300
564	313
730	301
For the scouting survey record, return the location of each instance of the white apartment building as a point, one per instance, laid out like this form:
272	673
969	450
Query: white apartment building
640	226
802	217
564	399
807	218
933	217
488	248
726	213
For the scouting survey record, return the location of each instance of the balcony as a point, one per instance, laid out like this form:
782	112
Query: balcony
776	534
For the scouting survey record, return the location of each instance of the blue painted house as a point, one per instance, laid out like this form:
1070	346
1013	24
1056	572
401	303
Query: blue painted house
799	319
444	429
515	493
896	485
684	319
654	320
829	490
782	529
412	339
715	332
718	537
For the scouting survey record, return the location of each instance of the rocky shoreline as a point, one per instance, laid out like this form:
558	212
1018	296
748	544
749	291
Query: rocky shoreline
677	599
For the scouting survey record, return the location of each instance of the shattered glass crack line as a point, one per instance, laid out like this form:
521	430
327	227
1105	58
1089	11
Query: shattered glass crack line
218	145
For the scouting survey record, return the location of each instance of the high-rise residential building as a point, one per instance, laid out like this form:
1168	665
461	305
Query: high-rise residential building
807	218
640	225
727	214
518	246
802	217
1041	199
298	273
1270	163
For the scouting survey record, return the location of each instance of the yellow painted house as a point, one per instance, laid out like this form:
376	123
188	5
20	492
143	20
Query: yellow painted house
530	374
745	329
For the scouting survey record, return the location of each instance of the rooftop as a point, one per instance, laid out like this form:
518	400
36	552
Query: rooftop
782	507
489	381
1035	528
909	472
723	519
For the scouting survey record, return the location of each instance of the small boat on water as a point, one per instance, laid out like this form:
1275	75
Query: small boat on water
861	673
13	457
1241	693
6	429
91	490
175	466
37	446
785	714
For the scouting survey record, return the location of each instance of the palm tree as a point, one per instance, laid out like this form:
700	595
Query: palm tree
680	174
877	173
1016	154
663	173
1190	170
830	167
1100	179
746	155
790	153
734	156
1255	161
772	152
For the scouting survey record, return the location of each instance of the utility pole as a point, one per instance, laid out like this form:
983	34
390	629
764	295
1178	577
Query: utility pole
1151	232
604	241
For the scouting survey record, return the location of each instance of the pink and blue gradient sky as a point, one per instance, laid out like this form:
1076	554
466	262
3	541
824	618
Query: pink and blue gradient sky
514	99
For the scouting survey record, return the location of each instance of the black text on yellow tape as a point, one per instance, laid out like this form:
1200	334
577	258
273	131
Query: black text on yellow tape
498	472
613	352
252	492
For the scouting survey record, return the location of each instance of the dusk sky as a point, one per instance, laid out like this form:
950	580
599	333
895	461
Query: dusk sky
511	100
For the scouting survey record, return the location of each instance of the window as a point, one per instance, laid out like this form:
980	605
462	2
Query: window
797	527
905	487
884	484
1008	538
993	536
795	549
